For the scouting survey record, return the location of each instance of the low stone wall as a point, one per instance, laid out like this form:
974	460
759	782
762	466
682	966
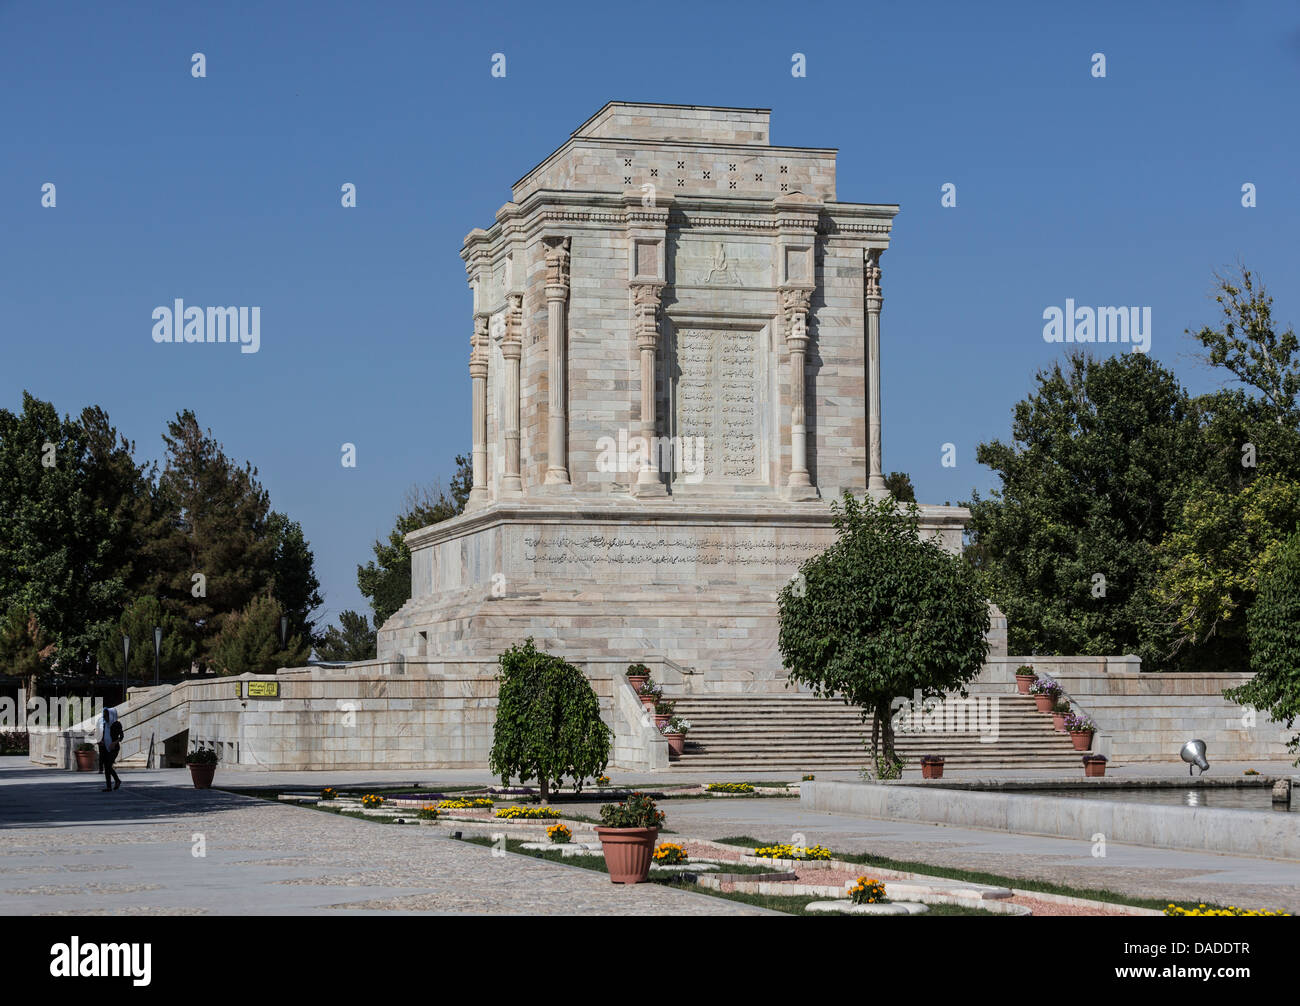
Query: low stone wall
1268	834
1148	717
375	715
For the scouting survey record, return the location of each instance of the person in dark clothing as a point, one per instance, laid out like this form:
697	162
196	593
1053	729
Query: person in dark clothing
109	746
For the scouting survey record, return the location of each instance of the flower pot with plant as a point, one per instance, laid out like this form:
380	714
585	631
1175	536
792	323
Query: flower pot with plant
1045	692
85	755
1080	728
650	695
1025	676
637	675
663	713
627	837
1059	712
931	767
203	766
674	732
1094	765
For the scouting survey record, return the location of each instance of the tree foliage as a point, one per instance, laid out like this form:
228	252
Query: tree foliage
386	579
900	487
548	723
354	639
137	623
1273	624
882	613
249	641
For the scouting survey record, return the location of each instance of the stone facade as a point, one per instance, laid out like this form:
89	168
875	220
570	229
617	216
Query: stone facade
675	367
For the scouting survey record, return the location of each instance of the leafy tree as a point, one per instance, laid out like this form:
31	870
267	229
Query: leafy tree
25	650
354	641
1273	625
1097	469
77	507
215	524
548	723
137	623
249	641
293	574
386	579
882	613
900	487
1248	347
1212	560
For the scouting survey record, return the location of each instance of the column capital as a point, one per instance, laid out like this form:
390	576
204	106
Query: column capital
795	305
512	338
557	267
871	275
646	303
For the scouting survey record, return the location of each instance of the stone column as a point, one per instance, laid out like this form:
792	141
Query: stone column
796	302
646	307
512	348
874	298
557	293
478	372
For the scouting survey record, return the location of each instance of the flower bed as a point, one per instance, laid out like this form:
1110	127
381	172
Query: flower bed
473	803
528	813
1203	912
793	852
729	787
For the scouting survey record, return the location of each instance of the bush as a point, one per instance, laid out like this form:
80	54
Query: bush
868	891
559	834
548	723
14	742
637	811
201	756
85	746
638	671
428	813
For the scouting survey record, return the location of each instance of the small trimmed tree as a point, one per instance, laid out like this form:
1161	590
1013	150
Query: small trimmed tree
249	642
548	722
1273	628
880	614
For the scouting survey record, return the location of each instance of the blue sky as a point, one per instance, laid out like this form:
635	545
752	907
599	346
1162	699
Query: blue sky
225	190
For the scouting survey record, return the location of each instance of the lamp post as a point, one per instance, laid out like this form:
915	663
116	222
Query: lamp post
126	656
284	630
157	653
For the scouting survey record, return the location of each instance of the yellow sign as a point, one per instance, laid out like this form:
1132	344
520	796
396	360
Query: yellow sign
239	693
263	689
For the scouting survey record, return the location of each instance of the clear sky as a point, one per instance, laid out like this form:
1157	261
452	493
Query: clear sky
1122	190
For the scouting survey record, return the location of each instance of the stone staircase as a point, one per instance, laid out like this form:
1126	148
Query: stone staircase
797	732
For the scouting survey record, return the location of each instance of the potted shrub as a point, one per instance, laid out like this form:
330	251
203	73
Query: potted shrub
1094	765
1025	676
85	755
650	694
627	837
637	675
674	732
931	767
1081	728
663	713
203	766
1045	692
1059	712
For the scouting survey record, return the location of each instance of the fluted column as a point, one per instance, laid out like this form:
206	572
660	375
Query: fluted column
478	372
512	347
796	302
874	299
646	300
557	294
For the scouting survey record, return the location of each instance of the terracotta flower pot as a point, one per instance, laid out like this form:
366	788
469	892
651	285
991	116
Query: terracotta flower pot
637	680
661	719
202	775
1044	702
648	701
628	853
85	761
1094	767
1023	682
932	770
1082	741
676	744
1058	722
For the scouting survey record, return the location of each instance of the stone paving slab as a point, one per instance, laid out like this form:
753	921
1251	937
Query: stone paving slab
68	848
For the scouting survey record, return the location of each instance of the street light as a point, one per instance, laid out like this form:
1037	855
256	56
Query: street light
157	652
126	655
284	630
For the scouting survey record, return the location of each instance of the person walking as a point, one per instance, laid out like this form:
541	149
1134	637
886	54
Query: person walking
110	744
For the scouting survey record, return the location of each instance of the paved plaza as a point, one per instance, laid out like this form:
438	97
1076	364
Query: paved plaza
66	847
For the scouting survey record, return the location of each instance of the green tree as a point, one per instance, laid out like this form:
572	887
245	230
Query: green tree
386	579
1273	625
355	640
249	641
882	613
293	574
900	487
548	723
213	551
1097	469
137	623
26	652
